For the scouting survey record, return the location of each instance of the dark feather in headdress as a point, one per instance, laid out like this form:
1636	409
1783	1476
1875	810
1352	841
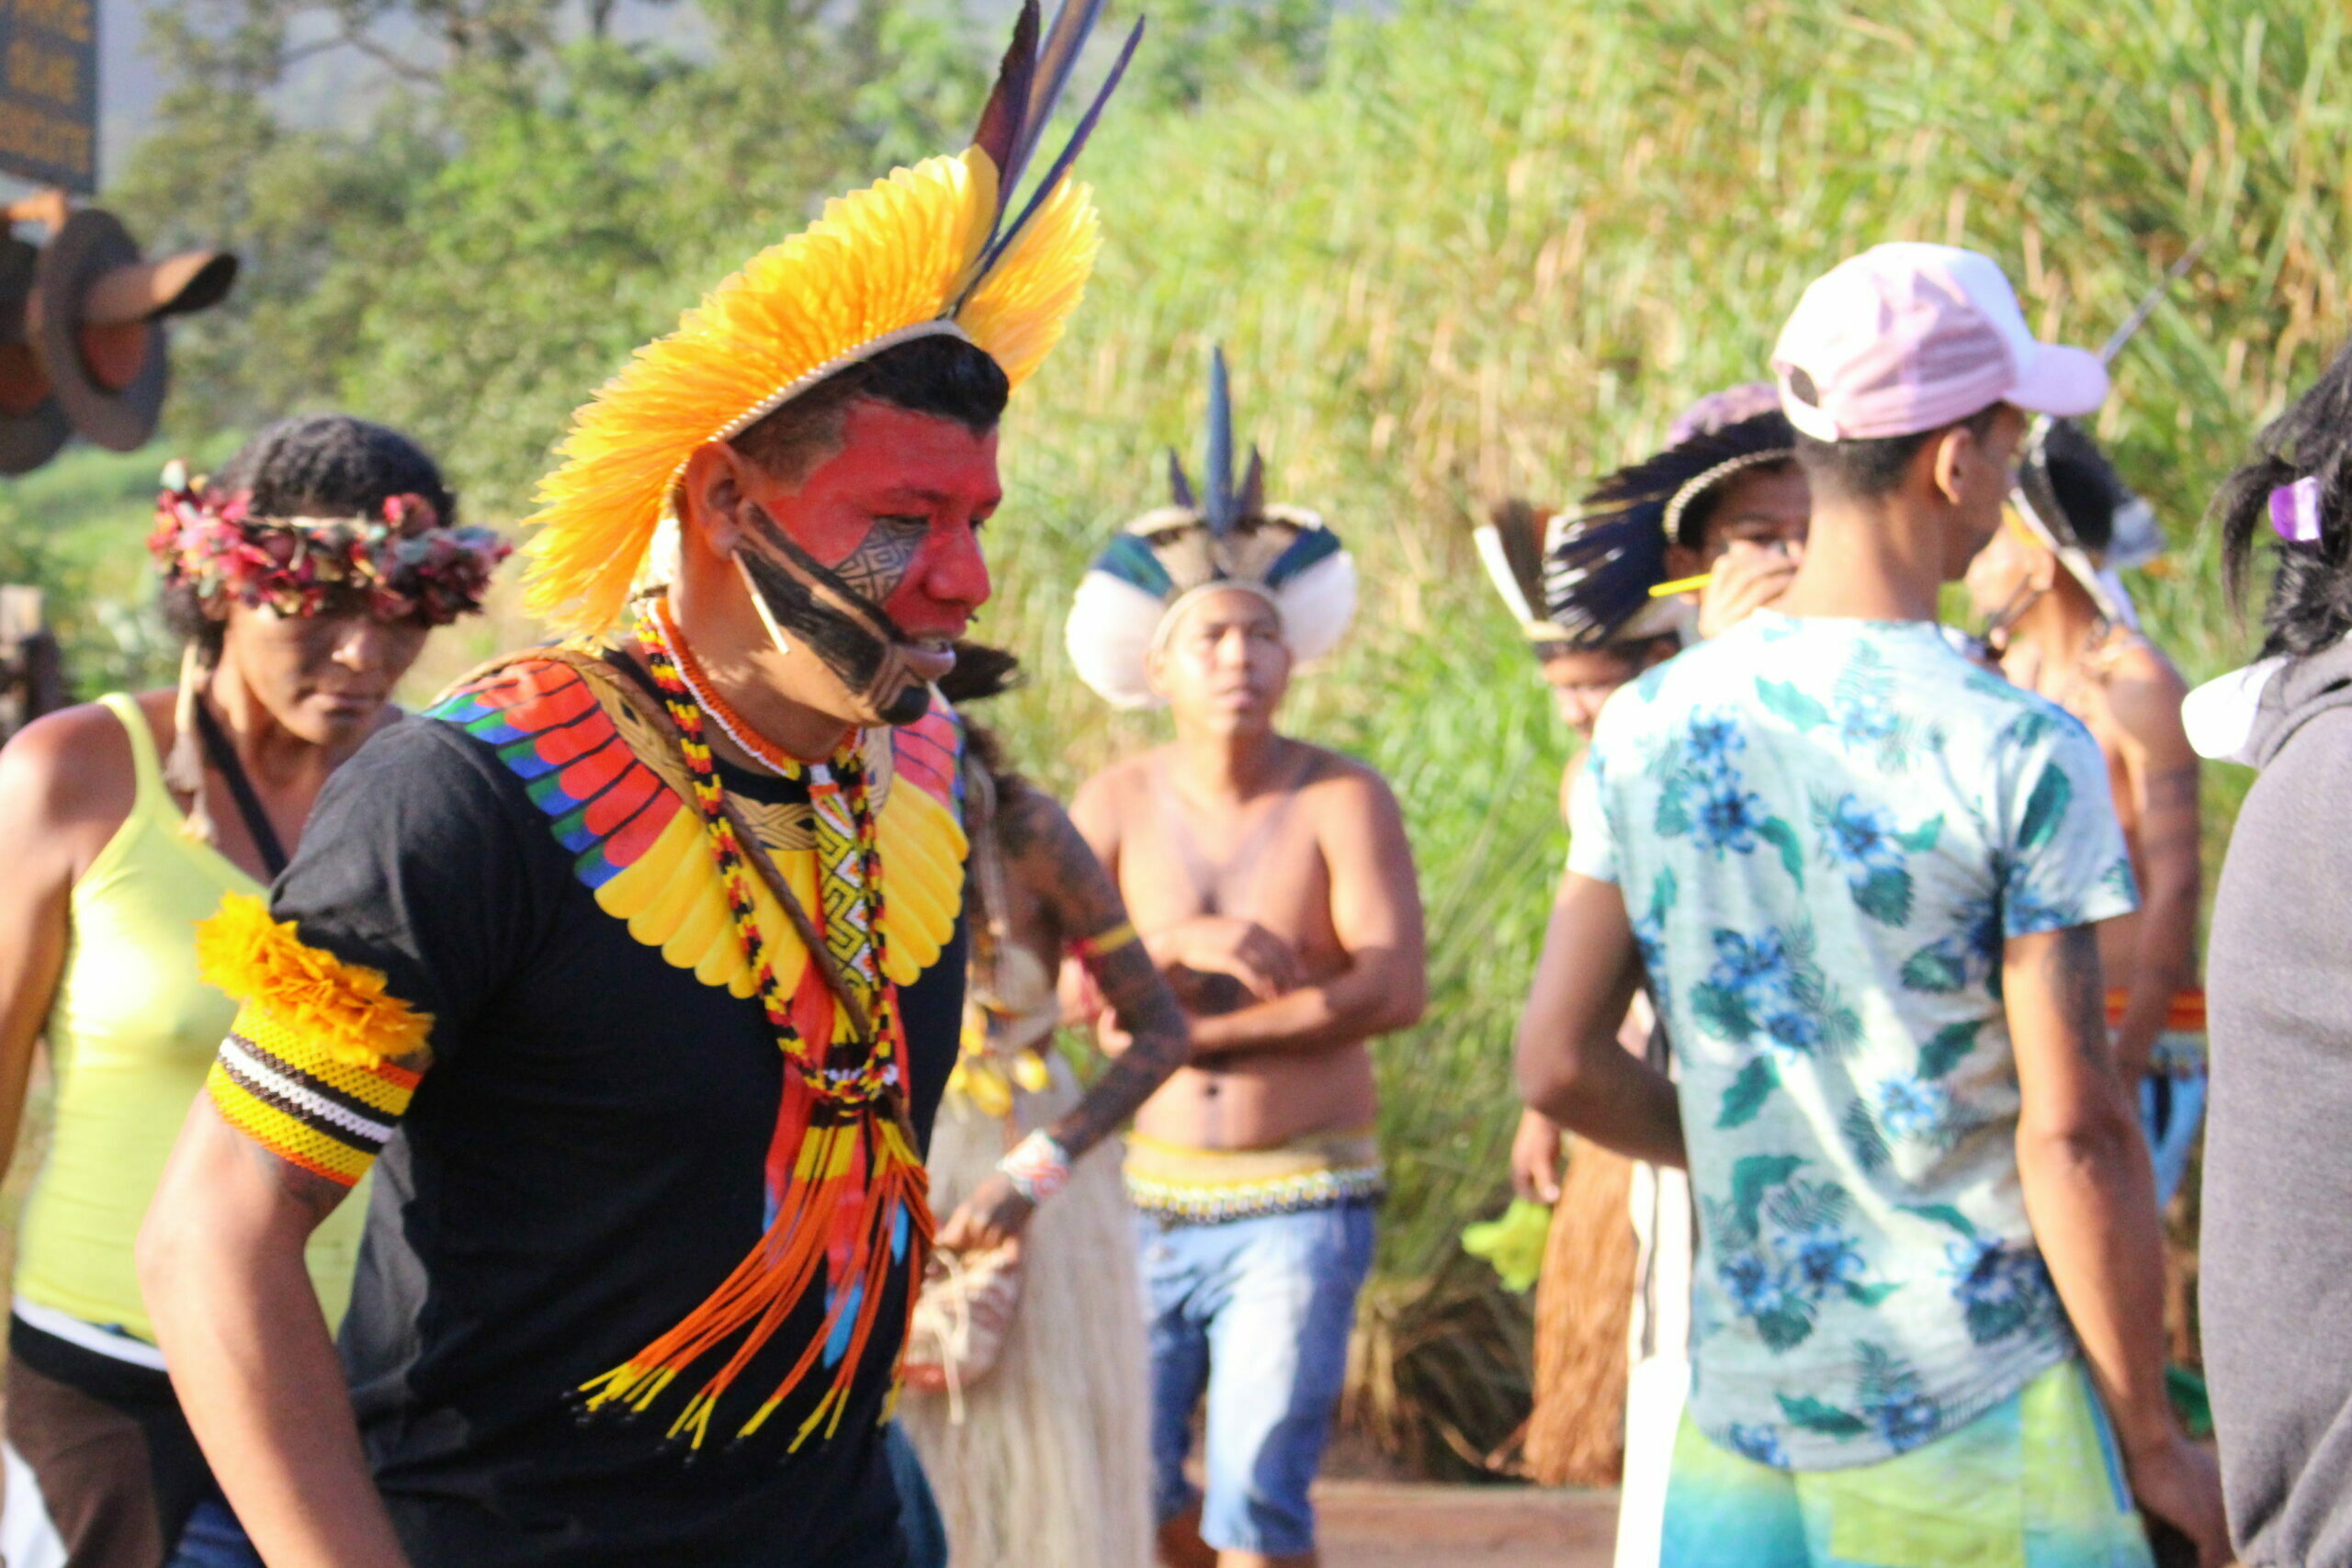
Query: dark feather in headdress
1251	501
1652	484
1028	88
1179	488
1600	570
1221	511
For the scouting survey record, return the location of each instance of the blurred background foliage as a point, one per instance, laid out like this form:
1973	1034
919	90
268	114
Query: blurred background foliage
1455	248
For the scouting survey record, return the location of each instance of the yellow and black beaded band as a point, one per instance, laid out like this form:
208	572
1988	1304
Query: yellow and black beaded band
311	1067
286	1093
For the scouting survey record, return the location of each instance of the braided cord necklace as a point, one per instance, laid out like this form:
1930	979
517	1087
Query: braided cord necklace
708	697
849	867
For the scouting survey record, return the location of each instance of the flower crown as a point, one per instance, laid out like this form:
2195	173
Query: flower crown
404	562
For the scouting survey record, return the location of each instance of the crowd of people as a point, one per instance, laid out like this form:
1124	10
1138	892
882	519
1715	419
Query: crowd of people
688	1098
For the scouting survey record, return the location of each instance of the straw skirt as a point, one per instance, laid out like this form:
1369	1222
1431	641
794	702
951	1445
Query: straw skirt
1049	1464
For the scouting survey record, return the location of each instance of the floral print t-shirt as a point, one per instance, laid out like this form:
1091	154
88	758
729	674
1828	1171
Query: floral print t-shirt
1824	829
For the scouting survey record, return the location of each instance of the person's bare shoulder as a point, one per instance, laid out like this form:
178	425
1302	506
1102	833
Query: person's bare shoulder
69	773
1350	796
2143	692
1104	802
1338	774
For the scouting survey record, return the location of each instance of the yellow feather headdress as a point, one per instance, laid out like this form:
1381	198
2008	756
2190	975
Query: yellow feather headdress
925	251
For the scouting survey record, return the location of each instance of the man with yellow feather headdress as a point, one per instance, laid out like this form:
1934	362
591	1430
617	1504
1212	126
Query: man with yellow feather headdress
640	962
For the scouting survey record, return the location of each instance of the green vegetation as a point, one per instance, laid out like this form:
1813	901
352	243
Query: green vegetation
1478	246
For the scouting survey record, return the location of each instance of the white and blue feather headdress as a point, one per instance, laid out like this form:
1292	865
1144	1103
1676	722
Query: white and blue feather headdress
1226	537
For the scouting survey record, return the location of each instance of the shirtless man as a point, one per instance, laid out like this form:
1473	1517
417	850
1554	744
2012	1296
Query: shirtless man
2068	638
1274	884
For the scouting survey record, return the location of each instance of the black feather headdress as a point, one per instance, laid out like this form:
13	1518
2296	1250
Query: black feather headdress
1599	567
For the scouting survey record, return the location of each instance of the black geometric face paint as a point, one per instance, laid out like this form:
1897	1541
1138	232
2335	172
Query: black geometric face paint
807	605
883	558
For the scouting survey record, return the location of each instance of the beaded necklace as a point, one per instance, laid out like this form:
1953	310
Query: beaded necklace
705	695
851	1218
850	1073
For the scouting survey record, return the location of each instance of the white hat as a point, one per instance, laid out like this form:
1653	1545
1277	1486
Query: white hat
1905	338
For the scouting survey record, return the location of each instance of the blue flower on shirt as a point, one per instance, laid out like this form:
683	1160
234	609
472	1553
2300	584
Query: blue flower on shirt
2002	1287
1711	740
1969	953
1864	842
1912	1108
1864	723
1757	1441
1730	818
1894	1400
1787	1249
1905	1420
1825	1256
1755	1287
1770	988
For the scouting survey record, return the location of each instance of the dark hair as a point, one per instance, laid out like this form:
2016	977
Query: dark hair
1634	653
1866	469
981	672
2089	489
939	375
320	465
2309	607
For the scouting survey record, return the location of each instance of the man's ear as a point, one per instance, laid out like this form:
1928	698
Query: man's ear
710	497
1681	561
1948	458
1155	662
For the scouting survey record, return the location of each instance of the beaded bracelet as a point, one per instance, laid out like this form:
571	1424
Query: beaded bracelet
1037	1166
1093	950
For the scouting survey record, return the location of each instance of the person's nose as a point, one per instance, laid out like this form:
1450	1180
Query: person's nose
957	571
366	643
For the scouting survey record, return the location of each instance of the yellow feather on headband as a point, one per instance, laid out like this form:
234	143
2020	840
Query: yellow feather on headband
879	265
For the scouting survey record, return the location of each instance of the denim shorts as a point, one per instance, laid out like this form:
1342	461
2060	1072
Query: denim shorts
1255	1313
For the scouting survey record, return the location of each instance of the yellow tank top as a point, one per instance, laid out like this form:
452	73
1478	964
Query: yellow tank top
131	1034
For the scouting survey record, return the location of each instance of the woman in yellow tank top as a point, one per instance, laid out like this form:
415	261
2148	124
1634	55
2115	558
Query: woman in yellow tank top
305	580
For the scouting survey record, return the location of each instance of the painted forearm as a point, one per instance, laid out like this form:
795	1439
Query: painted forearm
1146	1013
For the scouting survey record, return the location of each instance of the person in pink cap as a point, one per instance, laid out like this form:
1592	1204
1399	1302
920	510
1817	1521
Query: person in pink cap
1860	878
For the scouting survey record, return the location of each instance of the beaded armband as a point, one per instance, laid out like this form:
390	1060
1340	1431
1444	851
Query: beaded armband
305	1071
1093	950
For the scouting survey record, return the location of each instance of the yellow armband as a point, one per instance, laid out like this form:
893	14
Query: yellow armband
305	1071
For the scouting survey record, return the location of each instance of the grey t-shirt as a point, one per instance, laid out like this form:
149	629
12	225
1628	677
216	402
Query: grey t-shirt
2276	1265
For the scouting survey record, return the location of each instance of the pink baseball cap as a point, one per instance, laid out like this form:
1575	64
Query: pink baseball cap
1909	337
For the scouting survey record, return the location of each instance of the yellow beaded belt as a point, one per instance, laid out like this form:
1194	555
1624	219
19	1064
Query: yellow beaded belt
1186	1186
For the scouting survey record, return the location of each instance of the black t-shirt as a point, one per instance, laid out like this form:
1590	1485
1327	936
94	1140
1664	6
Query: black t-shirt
582	1166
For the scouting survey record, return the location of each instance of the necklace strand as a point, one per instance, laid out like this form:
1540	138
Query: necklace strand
876	1072
705	695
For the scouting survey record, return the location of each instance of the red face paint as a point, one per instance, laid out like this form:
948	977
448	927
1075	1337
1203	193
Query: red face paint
891	519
